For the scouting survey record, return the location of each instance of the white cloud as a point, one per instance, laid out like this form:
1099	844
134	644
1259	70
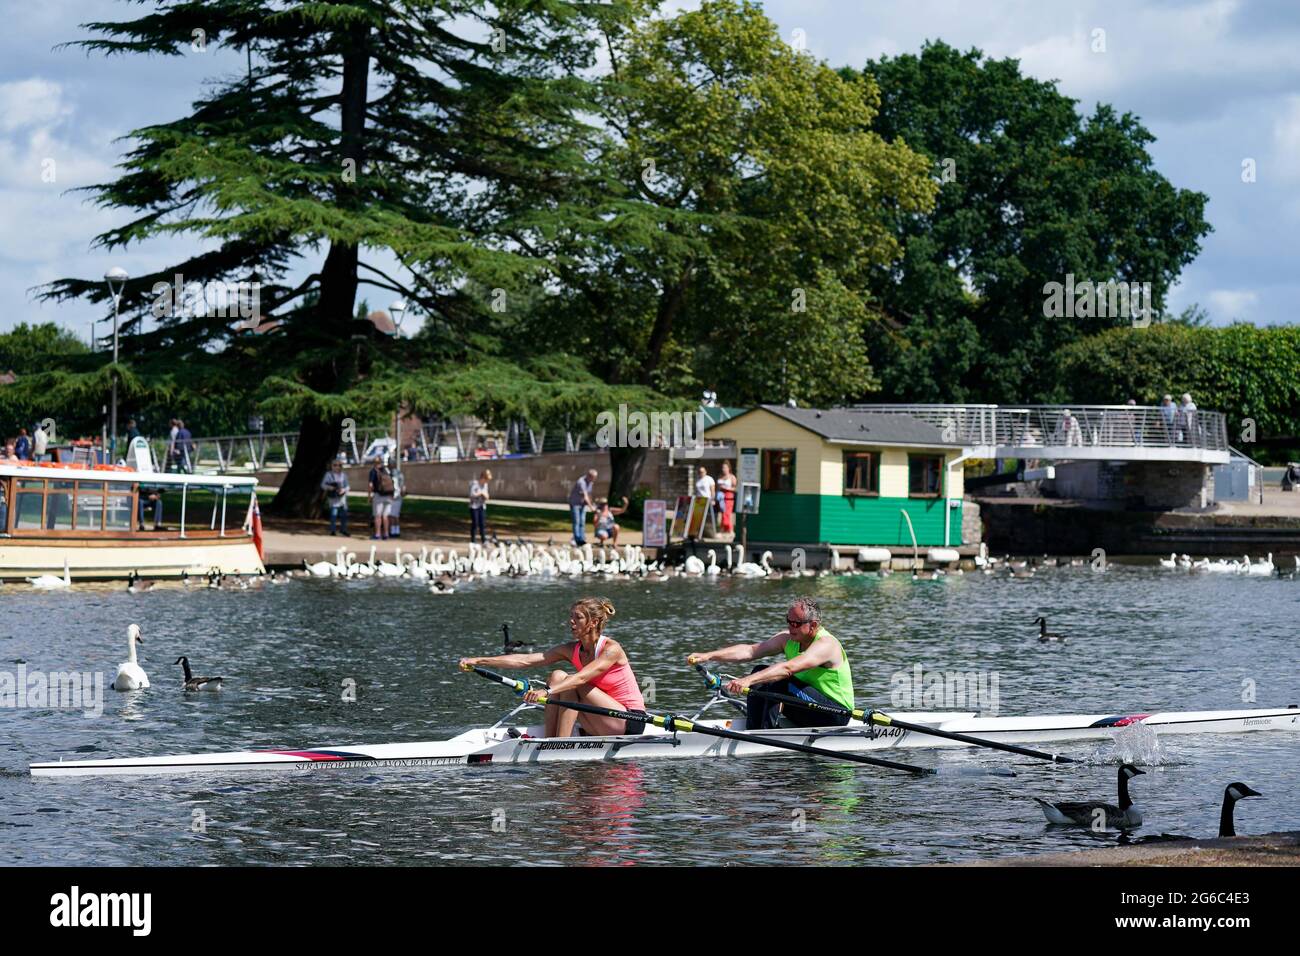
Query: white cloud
31	102
1228	305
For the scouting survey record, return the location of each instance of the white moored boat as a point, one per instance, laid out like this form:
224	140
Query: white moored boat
88	517
503	743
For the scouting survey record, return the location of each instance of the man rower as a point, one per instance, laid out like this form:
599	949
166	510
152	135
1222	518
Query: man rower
815	669
604	676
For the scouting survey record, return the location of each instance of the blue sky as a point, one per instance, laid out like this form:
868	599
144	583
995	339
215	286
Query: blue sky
1216	81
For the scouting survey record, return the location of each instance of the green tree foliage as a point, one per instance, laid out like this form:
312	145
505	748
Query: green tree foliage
1242	370
34	348
358	127
1030	191
741	201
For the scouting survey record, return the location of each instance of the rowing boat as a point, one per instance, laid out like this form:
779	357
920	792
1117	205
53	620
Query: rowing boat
508	743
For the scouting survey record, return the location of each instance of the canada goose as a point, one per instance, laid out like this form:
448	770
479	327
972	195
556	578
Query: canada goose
1231	794
198	683
135	585
1095	813
509	645
1021	571
130	675
48	582
921	574
1045	636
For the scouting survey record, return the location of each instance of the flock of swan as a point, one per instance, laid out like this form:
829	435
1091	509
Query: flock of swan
1262	568
443	569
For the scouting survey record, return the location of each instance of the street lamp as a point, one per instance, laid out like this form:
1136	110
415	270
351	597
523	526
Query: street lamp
115	276
398	310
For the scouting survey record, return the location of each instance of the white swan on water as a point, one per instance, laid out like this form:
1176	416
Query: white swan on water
50	581
130	675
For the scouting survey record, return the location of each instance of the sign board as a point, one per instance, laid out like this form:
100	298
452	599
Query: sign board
749	494
654	530
678	529
699	510
748	466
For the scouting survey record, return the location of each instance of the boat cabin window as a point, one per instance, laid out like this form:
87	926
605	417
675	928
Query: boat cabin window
62	505
58	505
117	506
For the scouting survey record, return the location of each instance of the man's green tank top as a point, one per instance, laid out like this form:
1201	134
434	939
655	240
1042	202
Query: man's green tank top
835	682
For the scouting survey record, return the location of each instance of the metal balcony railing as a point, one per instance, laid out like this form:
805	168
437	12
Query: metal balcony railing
1061	427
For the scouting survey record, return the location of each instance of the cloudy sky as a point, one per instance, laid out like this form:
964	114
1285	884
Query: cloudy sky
1216	81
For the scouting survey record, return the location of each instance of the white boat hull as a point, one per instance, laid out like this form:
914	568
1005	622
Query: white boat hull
112	560
498	745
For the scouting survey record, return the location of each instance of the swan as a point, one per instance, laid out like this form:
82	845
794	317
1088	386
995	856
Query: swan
1185	562
751	570
693	566
49	581
391	570
321	569
1124	817
1264	567
713	568
130	675
1169	563
197	683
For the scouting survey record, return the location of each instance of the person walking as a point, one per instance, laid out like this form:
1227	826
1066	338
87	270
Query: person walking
579	501
478	499
381	497
1168	413
335	484
184	447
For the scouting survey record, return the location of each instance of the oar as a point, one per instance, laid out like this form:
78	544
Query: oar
671	722
884	720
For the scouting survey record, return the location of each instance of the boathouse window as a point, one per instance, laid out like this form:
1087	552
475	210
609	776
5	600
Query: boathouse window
861	473
924	473
778	469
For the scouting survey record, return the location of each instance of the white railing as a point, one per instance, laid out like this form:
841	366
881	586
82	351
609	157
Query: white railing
1065	426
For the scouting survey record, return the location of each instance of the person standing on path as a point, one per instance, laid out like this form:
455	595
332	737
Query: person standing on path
381	497
727	498
335	484
478	499
579	501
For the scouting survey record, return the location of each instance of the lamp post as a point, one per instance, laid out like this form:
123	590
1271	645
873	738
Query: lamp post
115	276
398	309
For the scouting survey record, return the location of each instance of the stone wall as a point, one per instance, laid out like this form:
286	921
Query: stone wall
541	478
1142	484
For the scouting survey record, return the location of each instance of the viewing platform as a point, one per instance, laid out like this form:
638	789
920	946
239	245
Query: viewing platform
1073	432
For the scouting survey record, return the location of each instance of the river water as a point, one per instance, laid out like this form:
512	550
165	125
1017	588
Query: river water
1141	640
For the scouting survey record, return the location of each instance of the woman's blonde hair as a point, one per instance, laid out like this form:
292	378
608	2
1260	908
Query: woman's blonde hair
598	610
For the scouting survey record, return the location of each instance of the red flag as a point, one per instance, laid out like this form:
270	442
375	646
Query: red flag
257	530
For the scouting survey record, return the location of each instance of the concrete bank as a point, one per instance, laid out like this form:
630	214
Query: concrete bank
1269	849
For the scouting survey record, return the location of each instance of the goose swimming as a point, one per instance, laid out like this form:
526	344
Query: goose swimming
130	675
1045	636
1231	794
1093	813
135	585
198	683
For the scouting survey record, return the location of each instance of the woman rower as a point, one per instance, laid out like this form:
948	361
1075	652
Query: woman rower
604	677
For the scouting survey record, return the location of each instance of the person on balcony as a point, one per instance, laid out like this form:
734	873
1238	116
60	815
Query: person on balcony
1169	413
1067	431
1187	420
